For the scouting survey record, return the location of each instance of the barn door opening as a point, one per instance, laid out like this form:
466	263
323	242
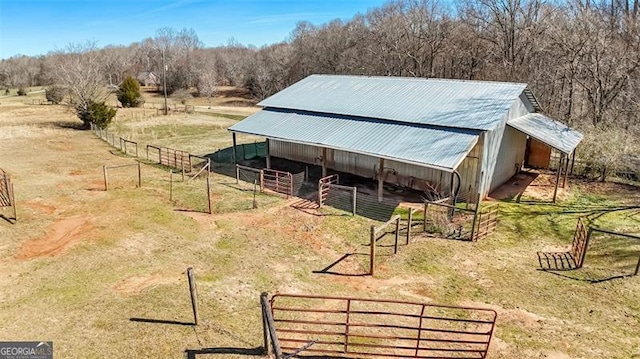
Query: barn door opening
537	154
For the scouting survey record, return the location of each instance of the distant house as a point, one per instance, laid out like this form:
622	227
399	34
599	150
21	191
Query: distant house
454	135
147	79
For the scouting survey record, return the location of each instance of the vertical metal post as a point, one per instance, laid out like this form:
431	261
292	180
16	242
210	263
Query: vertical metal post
409	225
139	176
381	180
15	212
555	190
194	294
324	162
106	179
397	234
268	156
235	152
566	172
637	267
372	253
355	201
261	180
237	174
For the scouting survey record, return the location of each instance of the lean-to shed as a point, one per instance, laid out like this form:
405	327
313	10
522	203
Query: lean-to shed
414	132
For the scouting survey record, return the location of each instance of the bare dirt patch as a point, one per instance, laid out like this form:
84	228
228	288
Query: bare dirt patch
62	235
136	284
40	206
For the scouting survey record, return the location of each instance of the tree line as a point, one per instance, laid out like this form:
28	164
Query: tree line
581	58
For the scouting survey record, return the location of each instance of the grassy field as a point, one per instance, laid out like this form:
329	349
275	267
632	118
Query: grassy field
81	263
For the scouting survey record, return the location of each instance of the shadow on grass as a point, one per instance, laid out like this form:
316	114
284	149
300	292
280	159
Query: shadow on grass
10	220
327	269
193	353
588	280
160	321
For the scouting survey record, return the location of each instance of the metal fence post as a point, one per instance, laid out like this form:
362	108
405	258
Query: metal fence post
372	253
354	204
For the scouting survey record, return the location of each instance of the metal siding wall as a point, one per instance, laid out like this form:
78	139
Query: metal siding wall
492	157
511	154
294	151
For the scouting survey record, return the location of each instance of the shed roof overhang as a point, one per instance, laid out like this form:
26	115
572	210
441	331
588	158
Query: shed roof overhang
428	146
548	131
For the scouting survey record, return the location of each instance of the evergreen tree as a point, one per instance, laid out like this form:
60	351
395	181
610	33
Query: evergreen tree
129	93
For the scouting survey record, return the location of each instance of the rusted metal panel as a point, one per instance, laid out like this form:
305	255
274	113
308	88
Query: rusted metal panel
356	327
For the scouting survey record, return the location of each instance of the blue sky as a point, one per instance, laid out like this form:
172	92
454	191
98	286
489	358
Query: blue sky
34	27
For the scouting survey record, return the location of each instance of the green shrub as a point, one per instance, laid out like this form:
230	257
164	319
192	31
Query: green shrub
129	93
55	94
22	92
97	113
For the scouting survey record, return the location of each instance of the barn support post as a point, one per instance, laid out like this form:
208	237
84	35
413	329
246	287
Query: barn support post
566	171
555	190
354	204
424	223
268	154
380	180
235	153
324	162
573	160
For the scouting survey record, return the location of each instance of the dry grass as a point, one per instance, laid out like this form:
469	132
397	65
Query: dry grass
122	254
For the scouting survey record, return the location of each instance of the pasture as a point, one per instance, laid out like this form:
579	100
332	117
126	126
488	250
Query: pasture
80	263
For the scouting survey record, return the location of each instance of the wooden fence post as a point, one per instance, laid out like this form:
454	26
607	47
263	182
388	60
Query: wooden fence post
194	294
106	180
372	253
171	185
261	181
209	195
424	224
320	194
255	185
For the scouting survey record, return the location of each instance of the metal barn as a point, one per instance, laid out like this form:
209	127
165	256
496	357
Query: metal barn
458	136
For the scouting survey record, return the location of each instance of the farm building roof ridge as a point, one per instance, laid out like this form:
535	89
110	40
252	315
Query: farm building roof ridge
478	105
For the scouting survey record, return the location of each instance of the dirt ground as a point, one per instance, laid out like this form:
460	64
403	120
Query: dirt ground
102	274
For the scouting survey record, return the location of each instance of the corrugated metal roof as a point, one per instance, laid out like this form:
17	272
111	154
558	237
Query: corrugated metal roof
478	105
546	130
416	144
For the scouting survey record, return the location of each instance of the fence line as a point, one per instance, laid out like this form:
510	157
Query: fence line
7	196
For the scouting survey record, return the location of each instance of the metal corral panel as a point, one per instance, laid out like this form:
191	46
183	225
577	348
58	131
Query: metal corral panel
398	173
546	130
438	148
477	105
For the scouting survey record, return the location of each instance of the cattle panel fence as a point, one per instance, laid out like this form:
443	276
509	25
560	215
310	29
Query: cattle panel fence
347	327
7	196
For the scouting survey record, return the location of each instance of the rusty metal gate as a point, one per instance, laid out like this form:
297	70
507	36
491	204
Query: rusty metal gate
355	327
7	198
169	157
324	187
487	222
277	181
574	258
